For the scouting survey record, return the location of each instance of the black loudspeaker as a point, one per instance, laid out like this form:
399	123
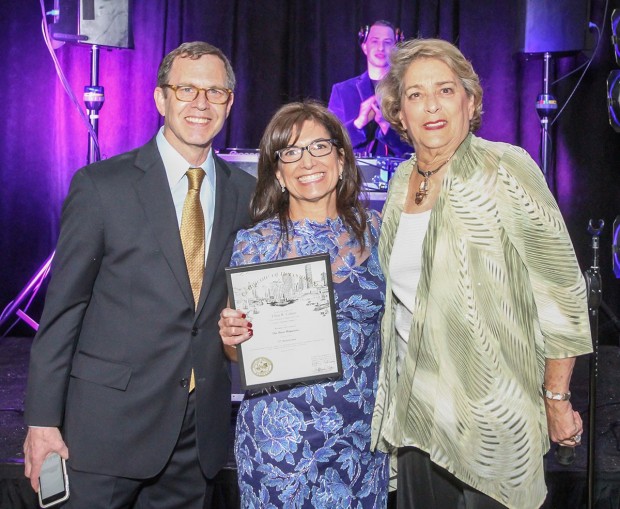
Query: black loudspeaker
554	26
101	22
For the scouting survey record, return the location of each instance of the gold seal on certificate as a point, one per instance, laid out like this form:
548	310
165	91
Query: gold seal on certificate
262	366
291	306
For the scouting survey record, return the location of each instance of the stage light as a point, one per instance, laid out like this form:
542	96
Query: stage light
613	99
615	248
615	33
613	80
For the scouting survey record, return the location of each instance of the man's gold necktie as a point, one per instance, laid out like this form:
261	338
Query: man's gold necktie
193	237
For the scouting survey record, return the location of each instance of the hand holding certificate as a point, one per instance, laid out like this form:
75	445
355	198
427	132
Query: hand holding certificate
291	306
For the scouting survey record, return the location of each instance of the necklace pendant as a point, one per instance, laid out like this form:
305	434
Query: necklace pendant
422	191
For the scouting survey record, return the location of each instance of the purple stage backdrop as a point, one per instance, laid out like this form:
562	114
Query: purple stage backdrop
283	51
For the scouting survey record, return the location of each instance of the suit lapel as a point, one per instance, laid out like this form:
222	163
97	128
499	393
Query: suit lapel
366	90
154	194
364	87
226	198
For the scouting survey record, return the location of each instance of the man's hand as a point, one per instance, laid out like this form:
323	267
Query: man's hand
383	124
367	112
38	444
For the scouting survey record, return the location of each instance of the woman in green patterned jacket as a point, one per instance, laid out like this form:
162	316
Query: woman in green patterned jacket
485	305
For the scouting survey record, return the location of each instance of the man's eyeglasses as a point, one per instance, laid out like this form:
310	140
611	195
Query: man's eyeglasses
318	148
187	93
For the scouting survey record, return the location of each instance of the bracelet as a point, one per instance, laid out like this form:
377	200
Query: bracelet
556	396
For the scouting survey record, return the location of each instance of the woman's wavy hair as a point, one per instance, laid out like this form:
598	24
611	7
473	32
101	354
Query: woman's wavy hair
283	130
390	89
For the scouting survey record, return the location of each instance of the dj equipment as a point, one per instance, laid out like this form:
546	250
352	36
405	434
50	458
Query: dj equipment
377	171
245	159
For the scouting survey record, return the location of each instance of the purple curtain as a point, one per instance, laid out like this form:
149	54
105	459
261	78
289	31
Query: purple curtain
282	51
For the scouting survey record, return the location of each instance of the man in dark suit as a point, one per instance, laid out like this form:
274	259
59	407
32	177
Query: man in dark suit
354	102
125	333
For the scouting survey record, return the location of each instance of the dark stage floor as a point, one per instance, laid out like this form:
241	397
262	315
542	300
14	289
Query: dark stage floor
566	484
15	491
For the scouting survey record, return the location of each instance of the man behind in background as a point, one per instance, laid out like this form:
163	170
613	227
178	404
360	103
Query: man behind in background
353	101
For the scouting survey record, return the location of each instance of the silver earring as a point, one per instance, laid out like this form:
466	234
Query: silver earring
283	188
340	176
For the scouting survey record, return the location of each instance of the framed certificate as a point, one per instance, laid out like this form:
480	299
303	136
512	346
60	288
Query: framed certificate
291	306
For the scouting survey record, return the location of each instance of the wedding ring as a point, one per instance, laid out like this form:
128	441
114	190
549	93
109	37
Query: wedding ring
576	438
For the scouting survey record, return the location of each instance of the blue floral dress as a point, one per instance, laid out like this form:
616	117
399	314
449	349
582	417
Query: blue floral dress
309	446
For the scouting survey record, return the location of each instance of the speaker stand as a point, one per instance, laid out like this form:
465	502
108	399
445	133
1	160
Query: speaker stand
93	98
546	107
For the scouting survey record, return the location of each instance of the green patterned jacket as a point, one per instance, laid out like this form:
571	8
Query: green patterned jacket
500	291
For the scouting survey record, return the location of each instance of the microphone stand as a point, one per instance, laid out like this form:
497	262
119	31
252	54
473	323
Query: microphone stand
93	98
594	288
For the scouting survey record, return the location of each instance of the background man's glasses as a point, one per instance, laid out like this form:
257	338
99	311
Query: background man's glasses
318	148
187	93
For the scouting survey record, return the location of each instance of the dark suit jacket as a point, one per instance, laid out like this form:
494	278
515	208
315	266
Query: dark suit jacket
345	102
119	335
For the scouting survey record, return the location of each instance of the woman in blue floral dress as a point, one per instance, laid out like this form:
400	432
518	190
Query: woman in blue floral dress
309	446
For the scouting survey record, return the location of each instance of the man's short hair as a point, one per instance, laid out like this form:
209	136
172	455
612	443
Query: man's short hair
194	50
365	30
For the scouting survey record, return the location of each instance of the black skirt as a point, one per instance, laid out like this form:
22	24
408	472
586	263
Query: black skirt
424	485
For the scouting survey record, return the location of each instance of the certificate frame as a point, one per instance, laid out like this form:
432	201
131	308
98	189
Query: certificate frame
291	306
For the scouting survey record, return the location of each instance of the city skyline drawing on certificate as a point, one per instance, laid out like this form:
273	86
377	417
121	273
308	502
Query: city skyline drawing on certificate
282	286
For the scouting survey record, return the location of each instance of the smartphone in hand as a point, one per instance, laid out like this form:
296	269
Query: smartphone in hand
53	481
